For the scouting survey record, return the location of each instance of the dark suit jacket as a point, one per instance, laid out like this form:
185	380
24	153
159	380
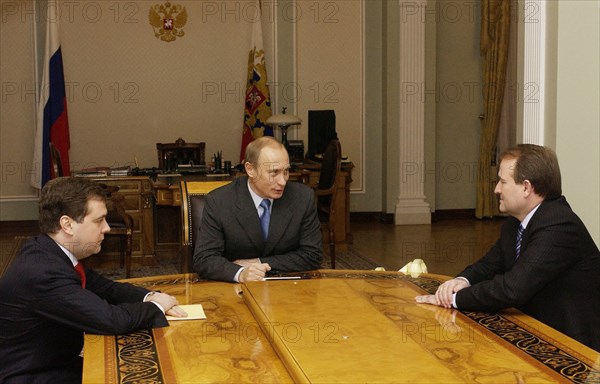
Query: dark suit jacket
230	230
555	280
44	312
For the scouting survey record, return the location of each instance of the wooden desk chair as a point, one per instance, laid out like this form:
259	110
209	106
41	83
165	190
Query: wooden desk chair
121	225
326	192
56	170
170	155
193	194
17	244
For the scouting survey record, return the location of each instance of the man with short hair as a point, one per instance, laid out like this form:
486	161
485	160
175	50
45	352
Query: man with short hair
545	263
238	243
48	300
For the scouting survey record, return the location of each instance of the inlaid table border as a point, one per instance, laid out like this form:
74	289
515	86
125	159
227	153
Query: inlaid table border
140	362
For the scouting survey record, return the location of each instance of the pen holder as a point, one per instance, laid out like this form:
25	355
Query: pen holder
217	164
227	167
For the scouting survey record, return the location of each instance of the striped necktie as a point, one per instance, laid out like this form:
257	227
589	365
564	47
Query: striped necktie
519	238
81	272
265	218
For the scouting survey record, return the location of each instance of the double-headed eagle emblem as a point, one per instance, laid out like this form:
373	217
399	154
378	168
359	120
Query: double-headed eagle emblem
167	20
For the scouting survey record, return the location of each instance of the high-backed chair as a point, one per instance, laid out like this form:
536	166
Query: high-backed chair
17	244
55	158
326	192
193	194
121	226
170	155
119	221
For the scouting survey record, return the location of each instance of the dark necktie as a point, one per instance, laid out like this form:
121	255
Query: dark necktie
265	218
519	238
81	272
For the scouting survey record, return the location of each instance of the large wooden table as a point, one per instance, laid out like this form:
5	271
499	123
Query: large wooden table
335	326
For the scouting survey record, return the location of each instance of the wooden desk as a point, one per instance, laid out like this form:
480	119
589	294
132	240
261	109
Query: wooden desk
335	326
139	204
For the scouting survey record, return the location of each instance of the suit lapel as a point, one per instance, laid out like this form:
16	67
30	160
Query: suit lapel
281	215
510	242
247	216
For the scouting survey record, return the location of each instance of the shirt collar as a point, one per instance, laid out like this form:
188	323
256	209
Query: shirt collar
257	199
529	216
69	255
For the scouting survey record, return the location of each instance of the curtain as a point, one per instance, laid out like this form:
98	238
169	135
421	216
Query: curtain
495	37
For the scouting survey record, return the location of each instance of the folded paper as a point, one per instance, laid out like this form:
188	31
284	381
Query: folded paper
194	311
414	268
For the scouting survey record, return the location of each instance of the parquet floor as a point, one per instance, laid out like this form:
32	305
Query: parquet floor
447	246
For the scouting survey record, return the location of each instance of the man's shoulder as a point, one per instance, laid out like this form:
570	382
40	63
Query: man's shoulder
37	244
556	208
230	188
36	262
298	188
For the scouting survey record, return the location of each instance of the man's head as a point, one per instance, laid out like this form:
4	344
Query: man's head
267	164
527	175
73	212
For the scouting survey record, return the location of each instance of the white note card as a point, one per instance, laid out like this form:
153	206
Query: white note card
194	311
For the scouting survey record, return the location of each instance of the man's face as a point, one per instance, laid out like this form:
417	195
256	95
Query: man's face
87	236
269	177
511	194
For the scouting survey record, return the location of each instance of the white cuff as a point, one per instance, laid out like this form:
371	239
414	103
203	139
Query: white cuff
236	278
147	300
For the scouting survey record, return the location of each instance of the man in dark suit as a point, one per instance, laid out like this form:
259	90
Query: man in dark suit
232	246
550	271
48	300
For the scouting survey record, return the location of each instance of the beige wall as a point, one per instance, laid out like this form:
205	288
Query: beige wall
457	92
578	112
330	55
17	109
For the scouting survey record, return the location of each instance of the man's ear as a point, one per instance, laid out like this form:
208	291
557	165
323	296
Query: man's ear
66	224
250	170
527	187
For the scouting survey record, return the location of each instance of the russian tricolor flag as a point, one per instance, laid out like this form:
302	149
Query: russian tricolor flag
52	122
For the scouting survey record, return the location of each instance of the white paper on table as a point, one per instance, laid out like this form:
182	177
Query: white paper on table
194	311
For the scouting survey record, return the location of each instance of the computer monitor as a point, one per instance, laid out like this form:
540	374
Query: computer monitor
321	130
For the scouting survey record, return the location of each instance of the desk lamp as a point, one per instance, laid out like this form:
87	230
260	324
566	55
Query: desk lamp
284	121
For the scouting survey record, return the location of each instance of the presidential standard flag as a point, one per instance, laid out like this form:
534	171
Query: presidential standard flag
257	107
52	122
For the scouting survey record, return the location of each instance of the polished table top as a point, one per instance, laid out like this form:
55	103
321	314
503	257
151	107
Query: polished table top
334	326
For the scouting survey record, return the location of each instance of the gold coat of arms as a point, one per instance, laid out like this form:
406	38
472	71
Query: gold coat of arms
167	20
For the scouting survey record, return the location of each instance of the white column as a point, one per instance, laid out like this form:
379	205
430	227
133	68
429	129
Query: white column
411	207
534	72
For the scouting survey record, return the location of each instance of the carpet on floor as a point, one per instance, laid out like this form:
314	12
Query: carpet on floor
352	259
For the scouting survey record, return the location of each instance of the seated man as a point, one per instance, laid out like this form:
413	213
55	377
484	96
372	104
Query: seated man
237	243
545	262
48	300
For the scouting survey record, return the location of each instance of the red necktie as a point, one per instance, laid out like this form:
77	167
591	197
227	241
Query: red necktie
81	272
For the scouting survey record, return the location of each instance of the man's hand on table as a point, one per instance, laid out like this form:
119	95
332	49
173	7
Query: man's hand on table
168	303
176	311
254	270
443	295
